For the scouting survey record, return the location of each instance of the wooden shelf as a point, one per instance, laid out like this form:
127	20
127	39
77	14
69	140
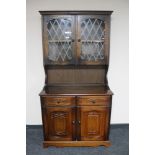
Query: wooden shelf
83	41
92	41
76	90
59	41
74	66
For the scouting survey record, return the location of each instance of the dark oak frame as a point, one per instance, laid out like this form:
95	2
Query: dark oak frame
76	31
65	104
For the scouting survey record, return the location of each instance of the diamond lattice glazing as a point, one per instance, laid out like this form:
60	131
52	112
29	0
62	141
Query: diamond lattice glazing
92	39
59	37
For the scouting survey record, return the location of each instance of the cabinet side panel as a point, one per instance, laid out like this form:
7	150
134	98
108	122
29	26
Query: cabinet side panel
44	119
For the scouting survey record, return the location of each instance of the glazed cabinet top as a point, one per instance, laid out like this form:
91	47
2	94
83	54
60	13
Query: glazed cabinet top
76	37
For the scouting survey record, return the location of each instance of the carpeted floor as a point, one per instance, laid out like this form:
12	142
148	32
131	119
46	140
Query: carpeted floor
118	135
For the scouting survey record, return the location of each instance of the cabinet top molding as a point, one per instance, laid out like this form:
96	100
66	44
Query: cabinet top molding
77	12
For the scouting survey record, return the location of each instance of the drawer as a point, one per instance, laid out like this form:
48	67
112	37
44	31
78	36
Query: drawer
58	101
94	100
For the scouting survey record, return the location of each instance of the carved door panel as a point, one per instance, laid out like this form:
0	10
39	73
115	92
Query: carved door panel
94	122
60	123
92	39
58	38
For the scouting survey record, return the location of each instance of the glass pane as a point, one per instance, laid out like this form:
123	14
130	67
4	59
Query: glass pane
92	51
60	51
92	39
59	39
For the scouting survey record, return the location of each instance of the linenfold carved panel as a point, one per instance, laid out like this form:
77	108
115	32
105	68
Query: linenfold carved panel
93	123
59	124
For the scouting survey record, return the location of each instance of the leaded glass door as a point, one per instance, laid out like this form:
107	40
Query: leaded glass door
59	39
91	40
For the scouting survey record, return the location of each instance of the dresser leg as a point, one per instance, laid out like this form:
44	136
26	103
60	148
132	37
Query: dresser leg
107	144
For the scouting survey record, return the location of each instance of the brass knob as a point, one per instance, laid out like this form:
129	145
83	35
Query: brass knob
92	101
79	122
58	101
73	122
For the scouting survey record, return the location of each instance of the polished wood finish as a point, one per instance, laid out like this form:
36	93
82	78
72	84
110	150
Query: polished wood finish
76	100
75	38
60	123
68	90
58	101
94	122
76	76
94	100
76	143
76	12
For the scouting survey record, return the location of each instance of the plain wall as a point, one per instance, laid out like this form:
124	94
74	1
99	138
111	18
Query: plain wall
119	50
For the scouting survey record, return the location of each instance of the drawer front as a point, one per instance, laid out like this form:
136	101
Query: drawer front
94	100
58	101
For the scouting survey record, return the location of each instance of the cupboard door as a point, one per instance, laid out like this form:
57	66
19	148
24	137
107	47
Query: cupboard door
59	36
92	39
94	123
60	123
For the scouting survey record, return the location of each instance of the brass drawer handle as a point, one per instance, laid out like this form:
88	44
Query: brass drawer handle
92	101
77	122
60	101
63	100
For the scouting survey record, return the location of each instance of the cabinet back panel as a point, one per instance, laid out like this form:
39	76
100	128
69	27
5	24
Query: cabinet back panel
75	76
